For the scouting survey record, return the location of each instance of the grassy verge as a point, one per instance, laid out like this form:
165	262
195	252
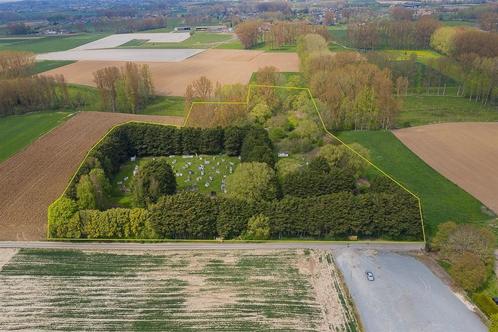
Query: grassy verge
18	131
51	44
420	110
441	199
423	56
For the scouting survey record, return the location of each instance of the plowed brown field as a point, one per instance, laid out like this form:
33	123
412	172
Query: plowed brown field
171	78
465	153
35	177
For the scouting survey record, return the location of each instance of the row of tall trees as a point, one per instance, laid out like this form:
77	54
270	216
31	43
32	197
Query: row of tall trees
397	34
276	34
472	60
22	93
127	89
206	115
355	94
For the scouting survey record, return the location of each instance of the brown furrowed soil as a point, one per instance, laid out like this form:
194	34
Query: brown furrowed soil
465	153
171	78
36	176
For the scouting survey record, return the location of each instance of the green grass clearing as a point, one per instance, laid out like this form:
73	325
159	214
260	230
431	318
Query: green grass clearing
18	131
189	176
441	199
420	110
197	40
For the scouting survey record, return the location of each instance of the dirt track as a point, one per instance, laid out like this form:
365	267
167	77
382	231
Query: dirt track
465	153
36	176
171	78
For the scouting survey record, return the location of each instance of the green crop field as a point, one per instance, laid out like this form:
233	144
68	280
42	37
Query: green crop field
197	40
420	110
62	290
50	44
189	175
46	65
18	131
441	199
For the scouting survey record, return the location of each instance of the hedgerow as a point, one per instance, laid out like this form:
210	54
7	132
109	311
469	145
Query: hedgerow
316	201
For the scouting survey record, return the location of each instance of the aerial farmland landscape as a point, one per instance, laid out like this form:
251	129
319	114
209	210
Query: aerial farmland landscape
249	165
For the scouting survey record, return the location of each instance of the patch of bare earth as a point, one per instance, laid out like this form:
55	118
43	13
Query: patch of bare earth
6	255
465	153
172	78
36	176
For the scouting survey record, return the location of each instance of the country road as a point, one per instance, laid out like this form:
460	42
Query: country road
389	246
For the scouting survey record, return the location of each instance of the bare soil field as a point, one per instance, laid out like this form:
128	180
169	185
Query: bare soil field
240	290
33	178
172	78
465	153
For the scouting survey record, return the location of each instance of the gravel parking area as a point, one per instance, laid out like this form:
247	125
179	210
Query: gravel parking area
405	295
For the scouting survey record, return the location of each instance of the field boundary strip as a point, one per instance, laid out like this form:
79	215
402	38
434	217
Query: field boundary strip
246	103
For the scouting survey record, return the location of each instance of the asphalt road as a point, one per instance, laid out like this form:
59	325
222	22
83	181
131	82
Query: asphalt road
208	246
405	296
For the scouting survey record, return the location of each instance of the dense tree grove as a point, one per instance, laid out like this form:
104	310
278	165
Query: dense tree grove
127	89
320	199
355	93
196	216
399	33
472	60
155	178
22	93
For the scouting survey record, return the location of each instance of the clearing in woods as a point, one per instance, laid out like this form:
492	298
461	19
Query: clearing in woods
241	290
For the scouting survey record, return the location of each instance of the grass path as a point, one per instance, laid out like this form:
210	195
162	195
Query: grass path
18	131
441	199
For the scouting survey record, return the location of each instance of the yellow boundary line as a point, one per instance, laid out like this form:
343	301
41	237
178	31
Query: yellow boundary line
250	88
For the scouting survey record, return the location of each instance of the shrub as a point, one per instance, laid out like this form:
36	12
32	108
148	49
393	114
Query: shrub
187	215
60	219
92	190
252	182
468	271
486	304
258	228
314	183
155	178
107	224
232	217
342	157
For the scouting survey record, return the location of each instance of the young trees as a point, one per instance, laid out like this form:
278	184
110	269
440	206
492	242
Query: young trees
252	182
248	33
15	64
126	89
92	190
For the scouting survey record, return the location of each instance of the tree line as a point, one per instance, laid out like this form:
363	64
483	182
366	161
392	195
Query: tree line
127	89
354	94
22	93
277	34
471	59
403	33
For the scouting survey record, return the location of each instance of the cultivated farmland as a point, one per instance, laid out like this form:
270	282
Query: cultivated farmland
171	78
33	178
465	153
285	290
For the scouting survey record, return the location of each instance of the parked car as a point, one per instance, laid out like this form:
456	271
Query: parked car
370	276
495	300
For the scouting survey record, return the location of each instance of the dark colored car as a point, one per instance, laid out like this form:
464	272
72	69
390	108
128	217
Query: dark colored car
370	276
